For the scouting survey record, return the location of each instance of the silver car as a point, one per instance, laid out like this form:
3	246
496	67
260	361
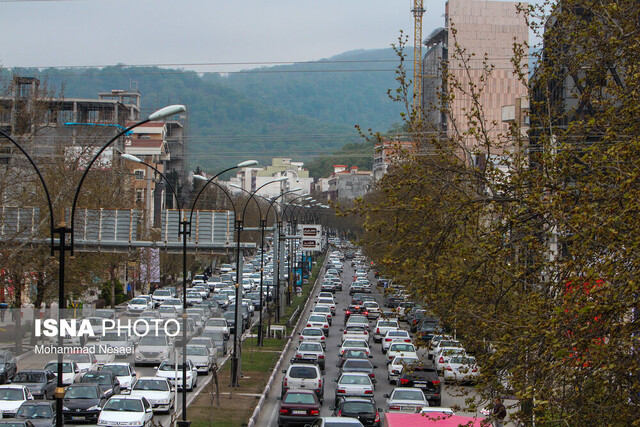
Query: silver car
354	384
153	350
201	357
406	400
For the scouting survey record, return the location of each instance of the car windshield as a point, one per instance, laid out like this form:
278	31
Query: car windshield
53	367
171	367
358	407
34	411
138	301
113	336
399	394
216	322
75	392
405	360
312	332
310	346
361	354
95	321
29	377
387	323
118	370
317	319
97	378
402	347
167	308
355	379
11	394
155	385
162	293
444	343
304	398
78	358
151	340
193	350
355	364
398	333
355	343
303	372
463	360
322	309
355	329
123	405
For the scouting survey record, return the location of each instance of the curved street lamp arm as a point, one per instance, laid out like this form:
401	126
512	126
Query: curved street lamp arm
258	189
193	206
250	197
44	184
171	187
291	202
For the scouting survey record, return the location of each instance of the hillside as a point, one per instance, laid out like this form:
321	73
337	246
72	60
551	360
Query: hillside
350	88
306	111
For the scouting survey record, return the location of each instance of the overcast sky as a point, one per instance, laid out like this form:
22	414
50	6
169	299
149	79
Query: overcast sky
134	32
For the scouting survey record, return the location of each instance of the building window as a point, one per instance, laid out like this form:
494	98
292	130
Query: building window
139	173
139	196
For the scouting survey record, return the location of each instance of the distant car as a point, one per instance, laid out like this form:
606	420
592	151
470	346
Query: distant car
157	391
397	365
82	402
303	375
298	407
86	361
217	324
122	344
41	382
395	336
406	400
355	332
311	351
106	313
382	327
354	384
161	295
362	409
138	305
401	349
126	410
425	377
102	354
153	350
39	413
169	371
8	367
219	342
124	372
70	371
441	358
201	356
353	353
461	369
12	396
359	365
106	380
313	334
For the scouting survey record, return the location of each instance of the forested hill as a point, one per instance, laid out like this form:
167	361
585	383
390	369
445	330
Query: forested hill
303	111
350	88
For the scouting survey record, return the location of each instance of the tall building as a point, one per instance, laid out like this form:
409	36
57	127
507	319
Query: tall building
482	28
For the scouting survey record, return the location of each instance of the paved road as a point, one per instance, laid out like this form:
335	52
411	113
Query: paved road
451	395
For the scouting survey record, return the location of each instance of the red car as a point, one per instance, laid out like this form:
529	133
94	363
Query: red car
299	407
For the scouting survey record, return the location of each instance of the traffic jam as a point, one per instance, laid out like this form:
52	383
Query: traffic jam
120	373
368	356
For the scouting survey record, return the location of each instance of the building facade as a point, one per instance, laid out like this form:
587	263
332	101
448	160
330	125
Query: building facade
482	28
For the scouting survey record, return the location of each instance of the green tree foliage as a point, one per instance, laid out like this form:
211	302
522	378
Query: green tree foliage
534	261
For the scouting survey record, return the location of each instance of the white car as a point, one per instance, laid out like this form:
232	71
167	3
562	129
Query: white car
406	400
353	343
153	350
401	349
435	348
201	356
382	327
354	333
70	371
168	370
314	335
157	391
394	369
96	326
167	312
203	290
160	296
124	372
329	303
323	309
137	306
311	351
86	361
217	324
121	343
12	396
103	355
441	358
193	297
461	369
134	411
397	335
373	309
177	303
319	321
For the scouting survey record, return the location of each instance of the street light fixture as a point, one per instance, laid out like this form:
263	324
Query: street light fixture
63	231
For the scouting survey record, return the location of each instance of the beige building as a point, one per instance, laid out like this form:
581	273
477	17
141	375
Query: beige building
482	28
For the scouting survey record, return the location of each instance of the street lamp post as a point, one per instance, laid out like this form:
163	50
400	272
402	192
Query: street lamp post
235	365
63	231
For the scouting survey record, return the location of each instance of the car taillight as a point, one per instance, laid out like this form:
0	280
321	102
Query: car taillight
308	325
347	313
377	420
345	332
372	375
341	390
322	338
475	369
404	381
366	313
394	407
284	411
314	412
366	333
326	326
298	355
339	414
387	339
407	340
320	383
301	337
285	382
368	392
436	382
448	368
377	330
441	359
321	356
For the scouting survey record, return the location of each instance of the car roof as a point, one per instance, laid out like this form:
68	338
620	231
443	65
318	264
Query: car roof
13	386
